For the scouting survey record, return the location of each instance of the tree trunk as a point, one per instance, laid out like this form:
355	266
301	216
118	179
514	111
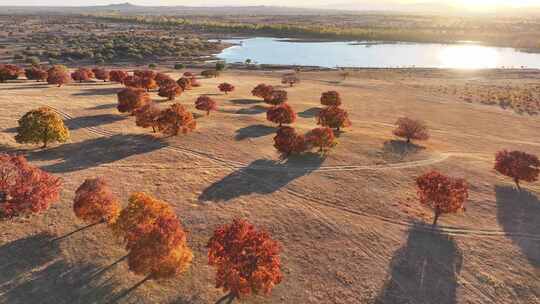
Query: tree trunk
153	129
208	113
436	218
408	140
516	180
228	297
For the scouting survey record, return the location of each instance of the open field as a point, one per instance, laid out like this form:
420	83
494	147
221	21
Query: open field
349	224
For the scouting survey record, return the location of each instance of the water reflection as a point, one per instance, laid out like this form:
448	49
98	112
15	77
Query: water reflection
468	57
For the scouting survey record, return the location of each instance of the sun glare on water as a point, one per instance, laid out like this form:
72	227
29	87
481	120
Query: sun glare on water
468	57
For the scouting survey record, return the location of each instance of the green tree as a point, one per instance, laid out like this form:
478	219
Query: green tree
42	125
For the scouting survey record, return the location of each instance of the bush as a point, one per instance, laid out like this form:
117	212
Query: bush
281	114
130	99
178	66
220	66
226	88
411	129
205	103
323	138
288	142
441	193
331	98
246	260
42	125
333	117
518	165
176	119
147	116
25	188
152	66
95	203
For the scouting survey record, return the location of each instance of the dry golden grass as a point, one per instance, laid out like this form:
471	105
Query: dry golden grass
349	224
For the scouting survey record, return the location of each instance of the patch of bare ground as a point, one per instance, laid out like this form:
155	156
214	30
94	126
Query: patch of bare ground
349	223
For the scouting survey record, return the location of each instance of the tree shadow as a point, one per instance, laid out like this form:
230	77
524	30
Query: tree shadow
98	92
401	148
92	121
254	110
310	113
262	176
245	101
37	85
104	106
97	151
254	131
424	270
10	130
518	212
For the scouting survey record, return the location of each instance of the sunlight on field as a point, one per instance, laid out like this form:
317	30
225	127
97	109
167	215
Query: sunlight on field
468	57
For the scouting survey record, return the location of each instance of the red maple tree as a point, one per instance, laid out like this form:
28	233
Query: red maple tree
281	114
118	76
58	75
518	165
184	83
9	72
82	74
163	79
94	202
247	261
130	99
288	142
36	73
205	103
170	91
331	98
411	129
176	119
262	91
147	116
323	138
25	188
101	74
276	97
441	193
226	88
333	117
290	79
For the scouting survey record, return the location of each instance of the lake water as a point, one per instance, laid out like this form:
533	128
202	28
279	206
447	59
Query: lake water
368	54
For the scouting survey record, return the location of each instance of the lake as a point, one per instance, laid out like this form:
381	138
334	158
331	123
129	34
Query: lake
378	55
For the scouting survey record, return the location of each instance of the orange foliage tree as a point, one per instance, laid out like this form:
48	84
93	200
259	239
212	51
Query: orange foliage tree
118	76
518	165
170	91
441	193
205	103
25	188
133	81
145	74
9	72
176	119
95	203
333	117
290	79
58	75
323	138
276	97
288	142
281	114
36	73
161	250
148	83
411	129
162	79
247	261
226	88
331	98
82	74
101	74
147	116
262	91
184	83
130	99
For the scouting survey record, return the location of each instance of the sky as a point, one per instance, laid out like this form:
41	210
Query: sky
297	3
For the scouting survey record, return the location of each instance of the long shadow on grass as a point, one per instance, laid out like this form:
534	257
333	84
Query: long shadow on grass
98	92
400	148
254	131
254	110
104	106
96	151
92	121
518	212
424	270
309	113
262	176
245	101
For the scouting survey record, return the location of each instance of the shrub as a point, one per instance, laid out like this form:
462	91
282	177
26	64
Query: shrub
95	203
411	129
290	79
276	97
163	79
518	165
25	188
42	125
220	66
441	193
130	99
118	76
333	117
188	75
323	138
152	66
101	74
288	142
147	116
161	250
9	72
246	260
331	98
170	91
59	75
178	66
184	83
262	91
226	88
210	73
82	74
205	103
281	114
176	119
36	73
